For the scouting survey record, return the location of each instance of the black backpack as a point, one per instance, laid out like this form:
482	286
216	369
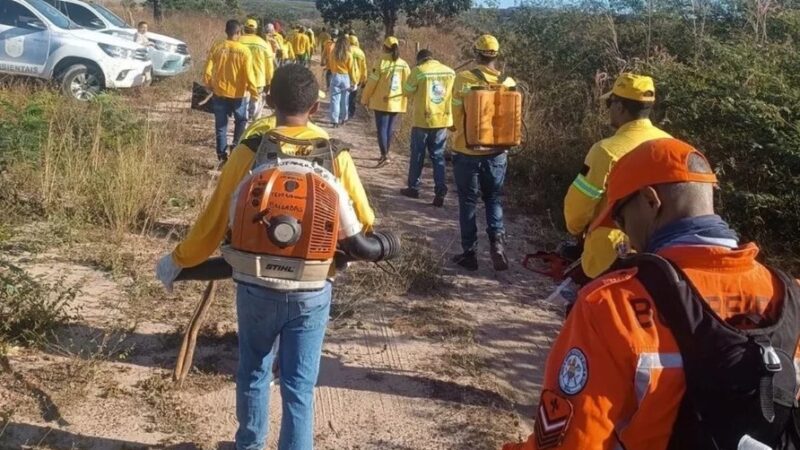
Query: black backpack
741	384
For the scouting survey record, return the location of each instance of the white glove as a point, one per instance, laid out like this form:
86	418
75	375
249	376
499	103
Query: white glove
167	271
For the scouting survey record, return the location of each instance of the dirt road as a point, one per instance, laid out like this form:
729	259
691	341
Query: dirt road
452	361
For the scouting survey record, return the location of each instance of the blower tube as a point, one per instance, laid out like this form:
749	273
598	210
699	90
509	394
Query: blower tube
378	246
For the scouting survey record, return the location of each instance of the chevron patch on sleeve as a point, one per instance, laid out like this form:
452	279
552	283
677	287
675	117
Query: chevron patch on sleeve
552	420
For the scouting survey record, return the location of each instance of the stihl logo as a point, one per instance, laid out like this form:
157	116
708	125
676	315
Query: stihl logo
279	268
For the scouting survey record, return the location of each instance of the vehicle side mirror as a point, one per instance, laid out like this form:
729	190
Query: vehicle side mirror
96	24
31	23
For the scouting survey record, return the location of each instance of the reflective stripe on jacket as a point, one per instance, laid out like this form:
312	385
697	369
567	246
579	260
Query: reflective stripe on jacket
263	58
209	230
229	70
617	366
431	85
586	196
384	90
464	82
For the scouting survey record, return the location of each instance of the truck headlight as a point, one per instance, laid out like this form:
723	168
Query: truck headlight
115	51
163	46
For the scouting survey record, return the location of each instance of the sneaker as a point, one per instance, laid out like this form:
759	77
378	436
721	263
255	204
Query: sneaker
383	160
410	193
438	201
467	260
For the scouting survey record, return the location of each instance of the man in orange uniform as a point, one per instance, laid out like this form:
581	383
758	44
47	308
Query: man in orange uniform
617	374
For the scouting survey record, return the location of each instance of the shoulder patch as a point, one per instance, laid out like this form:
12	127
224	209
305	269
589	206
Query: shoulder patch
552	420
574	372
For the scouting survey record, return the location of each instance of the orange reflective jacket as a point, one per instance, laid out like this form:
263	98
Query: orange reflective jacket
614	377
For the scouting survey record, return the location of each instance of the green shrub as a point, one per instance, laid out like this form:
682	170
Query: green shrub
30	310
742	108
731	92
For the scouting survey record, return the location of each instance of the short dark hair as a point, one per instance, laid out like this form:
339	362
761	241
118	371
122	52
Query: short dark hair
232	27
639	110
424	55
294	89
141	23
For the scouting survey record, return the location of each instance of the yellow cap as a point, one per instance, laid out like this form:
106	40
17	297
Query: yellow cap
390	41
353	39
640	88
487	43
251	23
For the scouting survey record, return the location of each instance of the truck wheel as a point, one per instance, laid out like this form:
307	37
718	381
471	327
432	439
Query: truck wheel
81	82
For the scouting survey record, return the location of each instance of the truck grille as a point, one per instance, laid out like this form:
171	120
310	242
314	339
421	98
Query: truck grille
141	55
183	49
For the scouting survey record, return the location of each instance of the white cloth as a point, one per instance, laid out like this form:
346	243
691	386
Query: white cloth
167	271
141	39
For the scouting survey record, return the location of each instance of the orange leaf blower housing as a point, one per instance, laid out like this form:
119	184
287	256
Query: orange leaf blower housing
286	214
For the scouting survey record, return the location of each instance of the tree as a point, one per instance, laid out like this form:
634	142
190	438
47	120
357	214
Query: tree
418	12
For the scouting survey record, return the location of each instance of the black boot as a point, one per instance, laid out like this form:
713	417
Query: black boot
467	260
498	252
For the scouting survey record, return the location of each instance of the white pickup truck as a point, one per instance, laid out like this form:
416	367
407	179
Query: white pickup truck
36	40
169	56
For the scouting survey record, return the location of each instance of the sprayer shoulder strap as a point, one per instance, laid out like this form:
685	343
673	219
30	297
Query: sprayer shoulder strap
316	150
501	78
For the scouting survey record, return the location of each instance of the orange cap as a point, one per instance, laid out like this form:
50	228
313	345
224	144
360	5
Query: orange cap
659	161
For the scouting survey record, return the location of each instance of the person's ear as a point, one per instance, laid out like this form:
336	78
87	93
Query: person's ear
270	102
314	108
650	197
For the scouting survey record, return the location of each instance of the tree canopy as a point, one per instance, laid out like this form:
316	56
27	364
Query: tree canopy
417	12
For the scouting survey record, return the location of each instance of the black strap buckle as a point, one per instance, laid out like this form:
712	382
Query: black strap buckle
772	365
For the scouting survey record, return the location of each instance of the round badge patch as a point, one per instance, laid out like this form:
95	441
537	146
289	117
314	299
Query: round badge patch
574	372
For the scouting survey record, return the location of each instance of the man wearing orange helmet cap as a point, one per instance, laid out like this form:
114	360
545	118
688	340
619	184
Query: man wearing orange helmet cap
629	104
687	345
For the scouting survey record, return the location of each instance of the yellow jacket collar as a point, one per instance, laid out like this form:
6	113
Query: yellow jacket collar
638	124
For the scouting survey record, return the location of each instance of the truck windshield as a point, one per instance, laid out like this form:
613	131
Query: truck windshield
52	14
110	16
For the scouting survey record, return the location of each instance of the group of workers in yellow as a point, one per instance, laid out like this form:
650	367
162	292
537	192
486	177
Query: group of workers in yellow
679	340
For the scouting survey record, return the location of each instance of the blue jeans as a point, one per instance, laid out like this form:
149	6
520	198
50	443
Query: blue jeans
223	108
484	176
384	122
433	140
299	319
340	93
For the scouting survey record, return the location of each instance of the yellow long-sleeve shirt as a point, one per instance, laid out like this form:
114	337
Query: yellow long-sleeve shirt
384	89
301	45
229	70
431	85
586	196
360	60
464	83
346	66
263	58
209	230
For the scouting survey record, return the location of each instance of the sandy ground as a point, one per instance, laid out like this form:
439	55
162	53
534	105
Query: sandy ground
454	367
